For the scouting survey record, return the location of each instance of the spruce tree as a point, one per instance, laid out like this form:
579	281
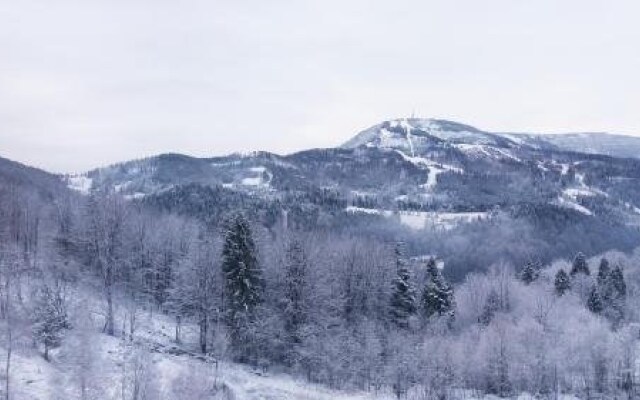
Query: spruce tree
614	292
403	298
562	283
580	265
296	307
498	382
242	278
529	273
594	302
491	307
603	271
438	296
49	319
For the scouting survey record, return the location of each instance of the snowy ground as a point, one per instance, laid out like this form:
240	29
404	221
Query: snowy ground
424	219
167	370
175	371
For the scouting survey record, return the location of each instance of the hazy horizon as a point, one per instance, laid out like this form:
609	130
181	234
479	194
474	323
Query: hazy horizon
89	84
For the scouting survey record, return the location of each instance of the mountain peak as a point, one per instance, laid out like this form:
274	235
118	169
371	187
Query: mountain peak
414	134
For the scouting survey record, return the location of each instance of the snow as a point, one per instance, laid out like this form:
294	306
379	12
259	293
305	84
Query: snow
183	375
583	190
80	183
482	150
573	205
434	168
134	196
258	179
353	210
414	220
418	220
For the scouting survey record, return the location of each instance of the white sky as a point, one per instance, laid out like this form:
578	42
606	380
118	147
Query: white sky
85	83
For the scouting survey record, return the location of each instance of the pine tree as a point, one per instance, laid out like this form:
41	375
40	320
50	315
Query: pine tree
562	283
580	265
594	302
49	319
438	296
403	298
529	273
243	283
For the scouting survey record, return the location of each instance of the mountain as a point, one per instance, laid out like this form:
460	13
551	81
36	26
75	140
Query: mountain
592	143
385	133
15	176
428	182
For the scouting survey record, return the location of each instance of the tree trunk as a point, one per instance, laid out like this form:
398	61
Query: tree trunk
178	322
203	333
109	325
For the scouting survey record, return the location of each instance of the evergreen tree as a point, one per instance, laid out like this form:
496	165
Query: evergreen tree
580	265
438	296
498	382
491	307
529	273
243	283
594	302
296	307
603	271
49	319
614	293
403	298
562	283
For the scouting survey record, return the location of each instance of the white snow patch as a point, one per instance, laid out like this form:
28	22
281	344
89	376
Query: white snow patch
252	181
582	190
80	183
353	209
134	196
424	219
262	177
482	150
435	168
572	204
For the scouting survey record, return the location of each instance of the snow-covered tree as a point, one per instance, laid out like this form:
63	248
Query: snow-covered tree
562	283
491	307
438	296
580	265
243	284
403	296
603	271
614	295
594	302
49	318
529	273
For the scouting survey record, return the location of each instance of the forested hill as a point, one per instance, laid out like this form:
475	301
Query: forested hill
422	260
430	182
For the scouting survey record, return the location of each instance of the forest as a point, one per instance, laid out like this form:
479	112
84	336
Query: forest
335	308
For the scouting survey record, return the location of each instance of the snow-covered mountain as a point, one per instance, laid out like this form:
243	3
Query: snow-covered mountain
413	132
415	176
422	165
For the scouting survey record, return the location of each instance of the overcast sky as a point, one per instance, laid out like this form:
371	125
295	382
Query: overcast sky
85	83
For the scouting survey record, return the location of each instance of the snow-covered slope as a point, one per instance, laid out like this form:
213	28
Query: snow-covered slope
416	135
592	143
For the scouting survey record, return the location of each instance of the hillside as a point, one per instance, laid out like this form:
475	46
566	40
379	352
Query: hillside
427	181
